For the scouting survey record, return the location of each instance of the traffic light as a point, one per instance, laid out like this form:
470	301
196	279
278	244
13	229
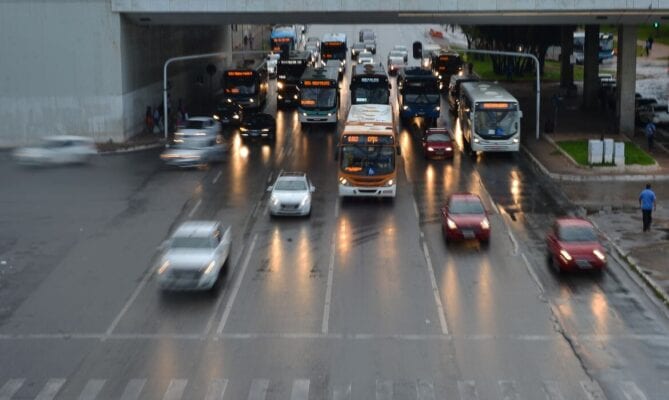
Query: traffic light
417	49
656	25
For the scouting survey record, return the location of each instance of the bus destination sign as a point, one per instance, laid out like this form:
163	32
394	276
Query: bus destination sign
239	73
369	139
314	83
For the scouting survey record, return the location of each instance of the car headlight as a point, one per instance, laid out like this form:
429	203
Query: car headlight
476	140
599	254
216	117
344	181
229	100
235	116
437	108
279	97
243	129
449	149
210	267
329	114
295	96
565	255
390	182
441	77
200	134
304	201
264	130
163	267
451	224
485	224
274	200
279	85
304	114
405	107
251	101
430	148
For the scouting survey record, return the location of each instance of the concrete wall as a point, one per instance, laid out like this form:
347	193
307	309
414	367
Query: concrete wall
60	70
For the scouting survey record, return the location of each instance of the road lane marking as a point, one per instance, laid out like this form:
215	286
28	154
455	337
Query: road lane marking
218	175
509	390
533	274
435	290
210	322
92	389
51	389
255	209
269	178
176	389
336	208
10	388
632	391
217	389
126	307
328	290
258	389
133	389
467	390
300	390
192	211
425	390
384	390
415	208
592	390
235	289
552	391
342	392
513	240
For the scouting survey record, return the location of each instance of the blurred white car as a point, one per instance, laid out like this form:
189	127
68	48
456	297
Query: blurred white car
313	40
291	194
272	59
356	49
314	51
57	150
198	126
194	152
194	256
403	49
396	62
365	57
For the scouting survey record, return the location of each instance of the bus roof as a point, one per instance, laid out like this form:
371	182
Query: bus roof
360	115
296	55
369	69
334	37
312	73
283	31
486	91
416	72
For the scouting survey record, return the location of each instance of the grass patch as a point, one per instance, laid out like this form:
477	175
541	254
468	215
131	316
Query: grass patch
578	150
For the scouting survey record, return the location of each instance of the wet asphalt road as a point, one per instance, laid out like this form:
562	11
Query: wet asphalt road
361	301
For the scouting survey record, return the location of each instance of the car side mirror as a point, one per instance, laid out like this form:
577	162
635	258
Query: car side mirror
269	188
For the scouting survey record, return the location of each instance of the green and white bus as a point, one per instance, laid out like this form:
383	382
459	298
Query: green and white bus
319	95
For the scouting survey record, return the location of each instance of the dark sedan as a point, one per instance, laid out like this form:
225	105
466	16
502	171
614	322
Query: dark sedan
229	113
258	125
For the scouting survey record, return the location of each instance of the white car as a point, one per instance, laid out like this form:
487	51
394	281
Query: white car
57	150
356	49
314	51
194	256
198	126
396	62
313	40
195	152
272	59
365	58
403	50
291	194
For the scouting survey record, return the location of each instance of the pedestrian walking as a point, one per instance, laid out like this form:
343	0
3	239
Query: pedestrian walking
251	41
246	41
650	133
148	120
648	203
648	46
157	121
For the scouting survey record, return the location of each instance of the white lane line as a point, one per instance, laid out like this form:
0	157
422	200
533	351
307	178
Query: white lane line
126	307
513	239
342	392
415	208
176	389
192	211
336	208
492	202
92	389
235	289
425	390
218	175
300	390
384	390
533	274
632	391
133	389
435	290
552	391
467	390
592	390
217	389
10	388
255	209
51	389
509	390
271	175
328	290
258	389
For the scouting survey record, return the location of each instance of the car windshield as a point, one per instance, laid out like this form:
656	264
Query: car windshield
318	98
496	124
577	234
473	206
368	160
438	137
191	242
290	184
191	124
193	144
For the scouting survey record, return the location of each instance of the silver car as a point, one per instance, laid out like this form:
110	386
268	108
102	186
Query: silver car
291	194
198	127
194	152
194	256
57	150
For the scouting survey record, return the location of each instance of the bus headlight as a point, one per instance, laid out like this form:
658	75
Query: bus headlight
329	114
235	116
216	117
390	182
251	101
278	96
476	140
437	108
515	140
210	267
405	108
344	181
304	114
264	130
229	100
295	96
279	85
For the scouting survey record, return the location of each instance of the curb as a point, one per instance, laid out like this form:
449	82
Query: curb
132	149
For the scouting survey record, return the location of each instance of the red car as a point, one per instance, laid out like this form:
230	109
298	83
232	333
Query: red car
573	244
438	143
464	217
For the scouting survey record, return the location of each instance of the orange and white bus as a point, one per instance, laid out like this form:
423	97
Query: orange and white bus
368	152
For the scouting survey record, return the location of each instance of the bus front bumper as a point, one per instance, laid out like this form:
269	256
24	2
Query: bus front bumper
511	145
367	191
330	117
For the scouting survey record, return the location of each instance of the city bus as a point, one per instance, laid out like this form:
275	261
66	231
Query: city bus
283	39
605	51
289	72
418	95
368	152
445	64
246	86
334	47
319	95
489	117
369	85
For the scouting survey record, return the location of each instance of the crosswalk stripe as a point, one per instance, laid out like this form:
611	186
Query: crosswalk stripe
342	393
92	389
258	389
176	389
384	390
425	390
592	390
133	389
51	389
467	390
300	390
216	389
552	390
632	391
10	387
509	390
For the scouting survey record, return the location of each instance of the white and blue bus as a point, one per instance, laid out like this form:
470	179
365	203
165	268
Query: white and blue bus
489	117
283	39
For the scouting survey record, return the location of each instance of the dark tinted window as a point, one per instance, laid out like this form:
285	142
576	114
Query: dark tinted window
465	206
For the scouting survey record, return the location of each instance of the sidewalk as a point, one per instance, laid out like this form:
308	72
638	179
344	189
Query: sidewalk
610	196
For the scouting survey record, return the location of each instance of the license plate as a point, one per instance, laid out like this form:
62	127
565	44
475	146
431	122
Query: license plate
468	234
583	264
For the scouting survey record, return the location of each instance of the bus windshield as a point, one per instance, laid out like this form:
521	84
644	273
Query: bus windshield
239	86
290	73
496	124
370	95
315	98
421	98
367	160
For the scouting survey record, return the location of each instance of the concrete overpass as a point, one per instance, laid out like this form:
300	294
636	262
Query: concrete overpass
91	67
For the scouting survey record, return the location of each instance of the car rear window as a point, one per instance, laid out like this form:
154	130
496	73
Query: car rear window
466	207
577	234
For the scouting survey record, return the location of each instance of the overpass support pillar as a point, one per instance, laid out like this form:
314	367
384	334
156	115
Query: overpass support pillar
626	79
567	49
590	66
227	45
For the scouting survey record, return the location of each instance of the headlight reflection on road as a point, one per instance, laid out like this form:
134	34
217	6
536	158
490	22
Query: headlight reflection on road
515	187
429	190
266	152
600	309
343	237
